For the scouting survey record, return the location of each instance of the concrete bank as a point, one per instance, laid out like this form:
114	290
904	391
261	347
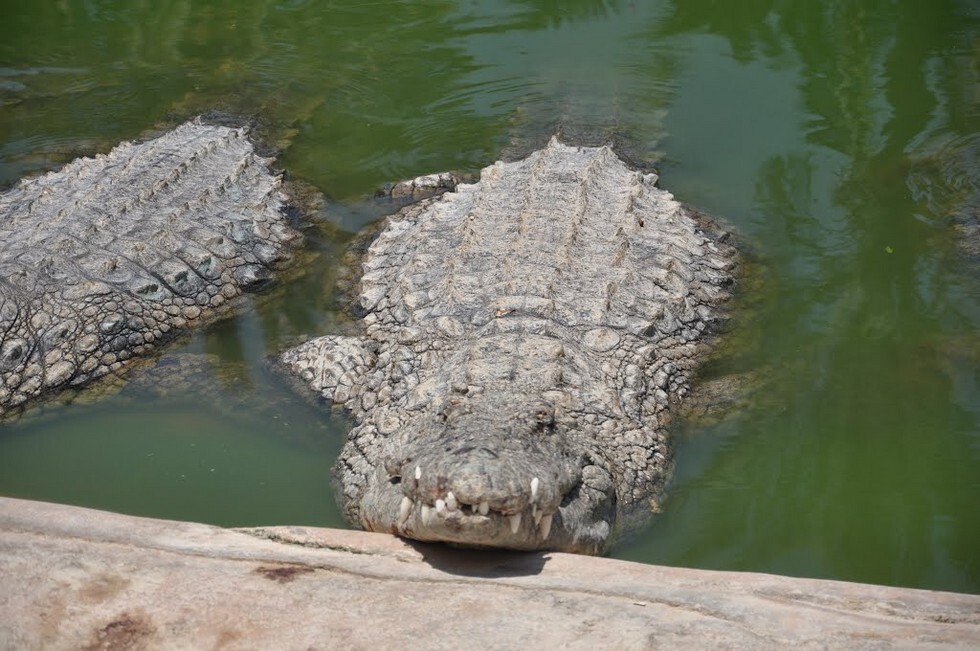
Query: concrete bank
77	578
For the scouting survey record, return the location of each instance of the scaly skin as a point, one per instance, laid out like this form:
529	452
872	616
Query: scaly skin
107	258
524	340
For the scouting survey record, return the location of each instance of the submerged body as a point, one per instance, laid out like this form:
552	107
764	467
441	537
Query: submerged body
107	258
524	340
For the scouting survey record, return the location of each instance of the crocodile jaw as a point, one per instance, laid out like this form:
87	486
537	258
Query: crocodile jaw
522	493
573	526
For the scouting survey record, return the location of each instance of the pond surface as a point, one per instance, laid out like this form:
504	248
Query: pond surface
839	138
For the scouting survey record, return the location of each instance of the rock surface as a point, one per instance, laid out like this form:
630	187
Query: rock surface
526	338
81	579
107	258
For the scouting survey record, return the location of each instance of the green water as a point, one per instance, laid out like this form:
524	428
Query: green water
839	138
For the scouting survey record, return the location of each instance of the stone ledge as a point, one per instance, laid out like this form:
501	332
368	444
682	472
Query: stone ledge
78	578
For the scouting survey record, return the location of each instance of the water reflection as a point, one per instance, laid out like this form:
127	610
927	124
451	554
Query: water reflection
541	14
877	425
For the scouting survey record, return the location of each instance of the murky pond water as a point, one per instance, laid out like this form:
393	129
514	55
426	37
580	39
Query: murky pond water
839	138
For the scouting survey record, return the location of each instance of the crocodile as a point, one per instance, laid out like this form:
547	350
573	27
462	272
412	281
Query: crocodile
524	340
108	258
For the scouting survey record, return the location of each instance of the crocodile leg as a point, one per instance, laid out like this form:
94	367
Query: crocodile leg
333	366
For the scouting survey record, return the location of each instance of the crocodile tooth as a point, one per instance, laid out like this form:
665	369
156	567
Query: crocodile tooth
484	507
418	473
440	506
406	509
545	526
451	502
427	514
474	507
515	522
534	489
537	515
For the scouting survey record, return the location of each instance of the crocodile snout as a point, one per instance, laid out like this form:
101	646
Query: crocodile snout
478	496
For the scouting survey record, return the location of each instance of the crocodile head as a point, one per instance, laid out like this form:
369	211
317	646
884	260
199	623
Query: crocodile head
469	476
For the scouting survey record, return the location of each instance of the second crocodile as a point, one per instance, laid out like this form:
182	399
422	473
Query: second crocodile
109	257
525	339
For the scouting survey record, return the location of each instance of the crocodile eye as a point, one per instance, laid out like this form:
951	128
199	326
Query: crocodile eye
544	413
543	418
